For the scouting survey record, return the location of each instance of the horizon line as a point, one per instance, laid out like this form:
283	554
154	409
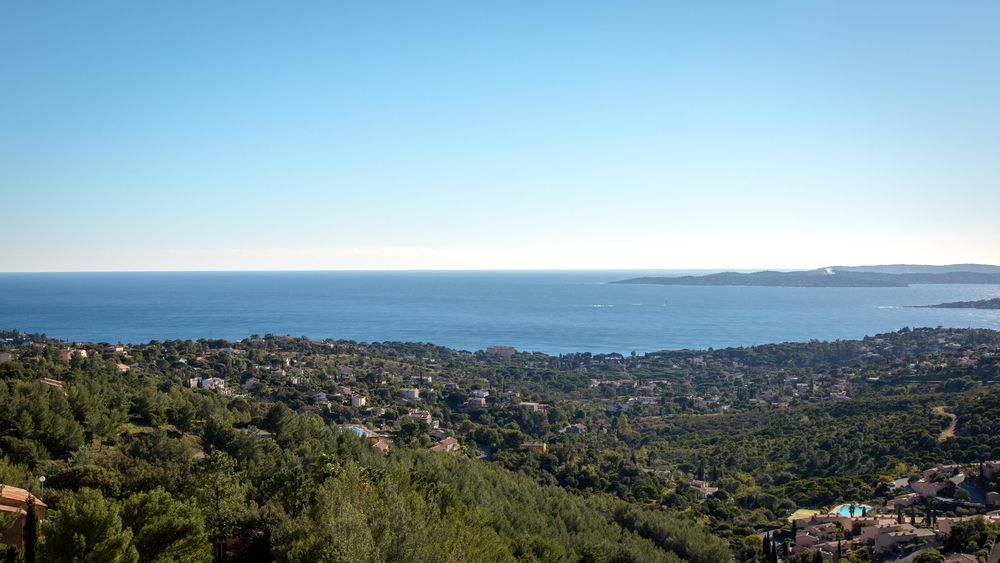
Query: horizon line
389	270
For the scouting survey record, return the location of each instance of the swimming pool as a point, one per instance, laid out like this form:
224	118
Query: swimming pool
845	510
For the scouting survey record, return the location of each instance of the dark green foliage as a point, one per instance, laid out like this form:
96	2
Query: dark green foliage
166	530
87	529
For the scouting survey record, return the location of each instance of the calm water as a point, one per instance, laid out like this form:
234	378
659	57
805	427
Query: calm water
543	311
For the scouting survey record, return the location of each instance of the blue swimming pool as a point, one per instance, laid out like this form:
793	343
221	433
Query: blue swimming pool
859	509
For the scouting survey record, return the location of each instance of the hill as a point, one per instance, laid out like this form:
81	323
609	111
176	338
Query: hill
870	276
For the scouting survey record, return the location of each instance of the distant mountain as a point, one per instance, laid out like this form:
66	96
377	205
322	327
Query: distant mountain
981	304
920	269
840	276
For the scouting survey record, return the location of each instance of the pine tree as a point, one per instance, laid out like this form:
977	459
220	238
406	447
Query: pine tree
30	532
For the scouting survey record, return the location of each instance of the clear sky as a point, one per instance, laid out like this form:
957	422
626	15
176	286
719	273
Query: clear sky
329	135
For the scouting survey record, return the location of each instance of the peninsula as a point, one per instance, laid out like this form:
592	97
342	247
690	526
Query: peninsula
979	304
839	276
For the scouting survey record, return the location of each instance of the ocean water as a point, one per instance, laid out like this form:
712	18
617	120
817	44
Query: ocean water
553	312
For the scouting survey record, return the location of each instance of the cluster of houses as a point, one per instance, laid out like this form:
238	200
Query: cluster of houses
899	525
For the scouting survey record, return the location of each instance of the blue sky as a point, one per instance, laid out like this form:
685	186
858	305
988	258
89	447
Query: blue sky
243	135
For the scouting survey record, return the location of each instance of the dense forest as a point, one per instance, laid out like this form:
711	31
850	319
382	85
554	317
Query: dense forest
262	449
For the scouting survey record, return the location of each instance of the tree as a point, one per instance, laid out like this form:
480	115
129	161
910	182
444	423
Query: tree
166	529
930	556
30	532
87	529
222	494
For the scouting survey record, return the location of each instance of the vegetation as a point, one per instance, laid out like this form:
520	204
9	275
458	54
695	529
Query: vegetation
141	466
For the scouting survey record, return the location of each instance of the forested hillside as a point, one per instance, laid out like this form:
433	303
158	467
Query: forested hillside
141	468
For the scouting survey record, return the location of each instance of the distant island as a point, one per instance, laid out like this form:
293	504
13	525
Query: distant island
840	276
980	304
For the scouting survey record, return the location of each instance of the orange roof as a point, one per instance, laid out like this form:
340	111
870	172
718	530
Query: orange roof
17	494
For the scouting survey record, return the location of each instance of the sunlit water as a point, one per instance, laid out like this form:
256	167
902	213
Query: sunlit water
543	311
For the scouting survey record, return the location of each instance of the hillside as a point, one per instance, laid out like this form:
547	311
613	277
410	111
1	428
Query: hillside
281	448
872	276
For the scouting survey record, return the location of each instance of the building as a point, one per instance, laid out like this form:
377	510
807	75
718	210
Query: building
928	488
703	488
536	446
944	523
574	429
448	444
213	383
533	407
14	501
53	383
476	403
358	401
382	444
903	501
480	393
901	535
422	416
410	393
68	354
4	357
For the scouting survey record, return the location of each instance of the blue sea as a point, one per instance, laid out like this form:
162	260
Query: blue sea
553	312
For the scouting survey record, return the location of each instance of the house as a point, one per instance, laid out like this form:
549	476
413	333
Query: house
876	528
476	403
449	444
122	368
505	352
574	429
903	501
703	488
53	383
480	393
68	354
813	536
422	416
213	383
14	502
536	446
382	444
4	357
410	393
928	488
358	401
961	558
944	523
533	407
993	498
901	535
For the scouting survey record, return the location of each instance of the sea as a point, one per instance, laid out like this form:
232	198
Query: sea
544	311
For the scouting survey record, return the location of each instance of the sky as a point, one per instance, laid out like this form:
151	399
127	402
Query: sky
247	135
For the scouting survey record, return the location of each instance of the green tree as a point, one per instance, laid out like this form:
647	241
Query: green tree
87	528
222	493
166	530
930	556
30	532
